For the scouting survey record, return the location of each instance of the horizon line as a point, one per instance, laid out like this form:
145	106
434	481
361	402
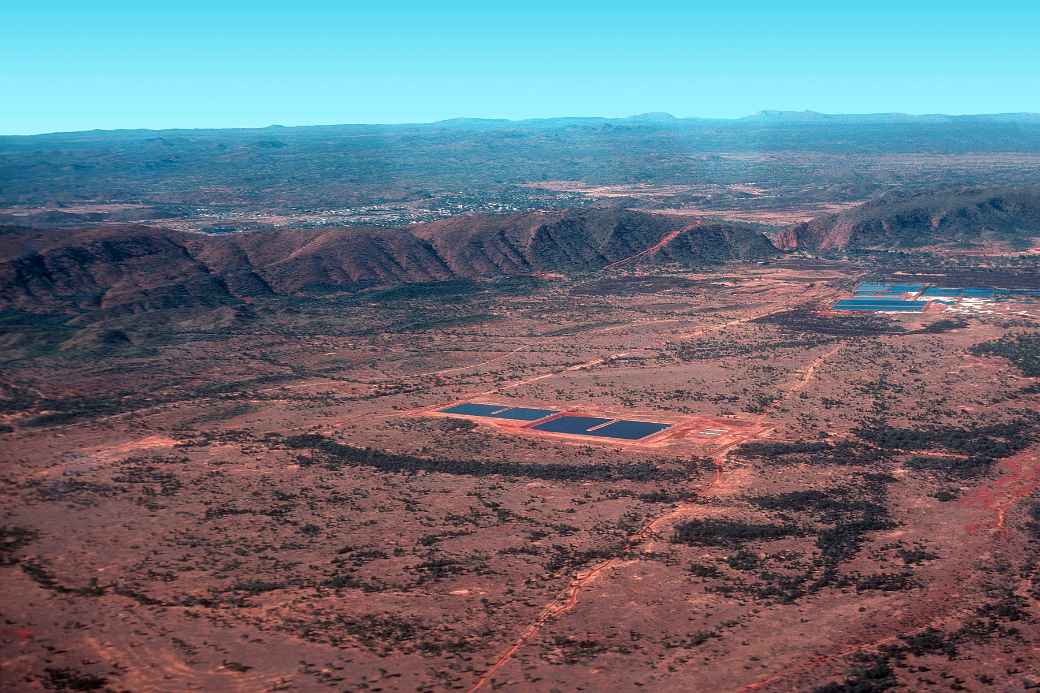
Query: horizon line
806	115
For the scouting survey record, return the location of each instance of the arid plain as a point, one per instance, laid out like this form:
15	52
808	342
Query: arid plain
281	506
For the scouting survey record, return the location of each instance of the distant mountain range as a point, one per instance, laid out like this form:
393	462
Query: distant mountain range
863	118
760	118
766	117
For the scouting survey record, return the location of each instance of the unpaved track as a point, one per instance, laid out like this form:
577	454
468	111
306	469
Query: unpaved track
668	237
570	596
1019	478
445	371
568	599
810	371
652	250
698	332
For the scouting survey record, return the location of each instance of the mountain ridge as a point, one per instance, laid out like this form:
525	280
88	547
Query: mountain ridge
767	116
128	268
901	219
133	268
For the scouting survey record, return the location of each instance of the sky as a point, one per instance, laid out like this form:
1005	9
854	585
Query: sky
109	65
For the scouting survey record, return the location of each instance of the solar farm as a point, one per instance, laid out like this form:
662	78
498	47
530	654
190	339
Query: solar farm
885	297
553	421
596	426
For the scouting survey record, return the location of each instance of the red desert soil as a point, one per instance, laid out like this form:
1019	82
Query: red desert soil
279	505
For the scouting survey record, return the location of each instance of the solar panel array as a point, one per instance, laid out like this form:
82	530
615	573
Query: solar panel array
979	293
879	297
876	305
499	411
593	426
942	292
628	430
571	424
602	428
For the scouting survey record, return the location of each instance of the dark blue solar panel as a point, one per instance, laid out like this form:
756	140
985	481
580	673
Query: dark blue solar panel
863	309
474	409
629	430
525	414
979	293
880	305
877	299
940	291
570	424
499	411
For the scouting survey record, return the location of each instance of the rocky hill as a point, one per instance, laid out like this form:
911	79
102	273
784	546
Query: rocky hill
907	220
131	268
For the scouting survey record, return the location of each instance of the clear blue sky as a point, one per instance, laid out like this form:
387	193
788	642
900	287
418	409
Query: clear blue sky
83	65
